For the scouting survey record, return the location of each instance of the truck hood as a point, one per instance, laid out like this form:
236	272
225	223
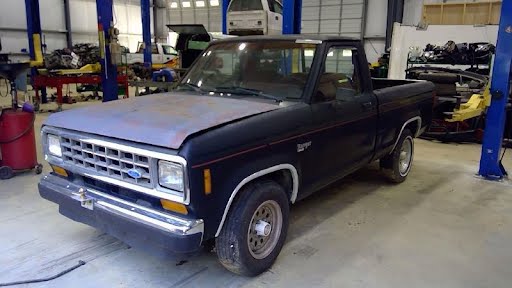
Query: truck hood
164	120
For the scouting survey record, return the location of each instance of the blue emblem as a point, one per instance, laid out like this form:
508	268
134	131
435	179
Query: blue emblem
134	173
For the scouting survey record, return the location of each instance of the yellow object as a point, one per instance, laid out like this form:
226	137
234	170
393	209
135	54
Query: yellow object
38	53
87	69
59	171
173	206
207	181
473	108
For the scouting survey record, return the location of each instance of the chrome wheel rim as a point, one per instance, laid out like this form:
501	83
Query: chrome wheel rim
405	159
264	229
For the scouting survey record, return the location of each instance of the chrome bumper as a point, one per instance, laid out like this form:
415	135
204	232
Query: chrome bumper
129	222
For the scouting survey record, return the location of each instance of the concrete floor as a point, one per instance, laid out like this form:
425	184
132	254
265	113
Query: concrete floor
443	227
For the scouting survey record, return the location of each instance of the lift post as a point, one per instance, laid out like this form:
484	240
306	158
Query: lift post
292	16
225	5
108	70
146	31
34	34
490	162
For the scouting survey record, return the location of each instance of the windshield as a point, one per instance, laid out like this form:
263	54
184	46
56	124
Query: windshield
245	5
278	68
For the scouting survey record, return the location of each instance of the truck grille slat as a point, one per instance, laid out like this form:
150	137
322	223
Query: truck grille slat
107	161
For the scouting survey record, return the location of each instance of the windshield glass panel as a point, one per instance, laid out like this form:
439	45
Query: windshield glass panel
245	5
279	68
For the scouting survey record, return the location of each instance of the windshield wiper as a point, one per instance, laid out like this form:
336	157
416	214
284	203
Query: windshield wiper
192	86
247	91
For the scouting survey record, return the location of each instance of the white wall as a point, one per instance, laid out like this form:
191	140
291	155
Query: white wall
83	23
375	32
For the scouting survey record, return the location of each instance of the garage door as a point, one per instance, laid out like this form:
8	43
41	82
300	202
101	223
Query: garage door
333	17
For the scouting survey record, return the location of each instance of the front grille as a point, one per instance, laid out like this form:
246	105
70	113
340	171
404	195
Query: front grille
106	161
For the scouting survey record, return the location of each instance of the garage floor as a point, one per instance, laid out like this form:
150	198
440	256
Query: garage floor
443	227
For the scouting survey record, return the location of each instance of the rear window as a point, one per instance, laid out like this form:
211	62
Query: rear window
245	5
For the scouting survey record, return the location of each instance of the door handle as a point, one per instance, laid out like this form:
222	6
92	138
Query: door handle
277	17
367	105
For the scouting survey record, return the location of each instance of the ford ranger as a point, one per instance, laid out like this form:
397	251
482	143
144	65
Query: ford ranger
255	125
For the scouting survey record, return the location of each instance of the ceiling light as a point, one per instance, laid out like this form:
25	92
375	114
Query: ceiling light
200	4
185	4
174	5
214	2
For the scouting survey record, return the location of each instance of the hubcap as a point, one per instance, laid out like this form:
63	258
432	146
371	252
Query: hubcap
265	229
405	156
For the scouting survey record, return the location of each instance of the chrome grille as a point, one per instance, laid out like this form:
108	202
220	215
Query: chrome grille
106	161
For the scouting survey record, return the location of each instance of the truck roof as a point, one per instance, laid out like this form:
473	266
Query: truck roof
323	38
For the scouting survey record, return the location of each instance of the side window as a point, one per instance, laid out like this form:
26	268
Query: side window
271	5
278	8
340	80
154	49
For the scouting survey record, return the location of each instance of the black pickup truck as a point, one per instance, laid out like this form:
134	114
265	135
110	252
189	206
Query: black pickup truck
255	125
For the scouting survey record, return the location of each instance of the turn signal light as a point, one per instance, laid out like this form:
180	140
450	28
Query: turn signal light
59	171
173	206
207	181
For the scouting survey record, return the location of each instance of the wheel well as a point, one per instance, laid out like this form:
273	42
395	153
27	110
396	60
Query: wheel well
413	126
282	177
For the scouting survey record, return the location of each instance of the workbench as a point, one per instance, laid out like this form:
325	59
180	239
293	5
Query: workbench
40	81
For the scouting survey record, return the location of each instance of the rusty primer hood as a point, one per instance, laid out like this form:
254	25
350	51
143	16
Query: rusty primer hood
164	120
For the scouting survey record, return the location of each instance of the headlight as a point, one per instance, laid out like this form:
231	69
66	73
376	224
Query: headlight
170	175
54	145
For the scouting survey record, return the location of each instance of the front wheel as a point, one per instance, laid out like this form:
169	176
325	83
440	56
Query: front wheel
255	229
397	165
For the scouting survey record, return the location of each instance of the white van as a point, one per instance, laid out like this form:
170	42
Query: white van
255	17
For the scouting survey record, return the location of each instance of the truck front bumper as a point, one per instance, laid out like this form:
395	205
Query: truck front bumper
140	227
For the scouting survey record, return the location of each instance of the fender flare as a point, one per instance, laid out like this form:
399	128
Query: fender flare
413	119
256	175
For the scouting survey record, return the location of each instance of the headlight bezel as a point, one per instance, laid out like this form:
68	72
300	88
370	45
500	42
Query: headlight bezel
49	138
179	167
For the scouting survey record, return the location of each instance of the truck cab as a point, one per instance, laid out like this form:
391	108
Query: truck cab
255	17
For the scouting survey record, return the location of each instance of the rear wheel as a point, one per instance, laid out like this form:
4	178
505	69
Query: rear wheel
255	229
6	173
397	165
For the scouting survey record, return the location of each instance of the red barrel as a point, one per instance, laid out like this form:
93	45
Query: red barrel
17	141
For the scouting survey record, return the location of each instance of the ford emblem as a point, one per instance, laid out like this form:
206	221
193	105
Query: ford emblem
134	173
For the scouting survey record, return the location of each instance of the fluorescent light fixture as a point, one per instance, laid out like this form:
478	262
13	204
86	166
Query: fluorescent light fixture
214	2
330	54
174	5
347	53
242	46
185	4
200	4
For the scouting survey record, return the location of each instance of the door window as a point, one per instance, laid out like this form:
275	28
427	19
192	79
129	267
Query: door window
340	80
278	8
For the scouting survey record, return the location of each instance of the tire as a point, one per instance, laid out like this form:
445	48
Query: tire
397	165
237	245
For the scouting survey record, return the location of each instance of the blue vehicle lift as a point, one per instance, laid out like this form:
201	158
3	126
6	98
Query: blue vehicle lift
108	70
490	161
104	9
292	13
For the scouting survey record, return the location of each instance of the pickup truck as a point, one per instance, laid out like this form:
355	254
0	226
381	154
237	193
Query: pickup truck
162	55
255	125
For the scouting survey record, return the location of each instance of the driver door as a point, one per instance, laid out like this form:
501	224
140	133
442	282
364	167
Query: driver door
344	113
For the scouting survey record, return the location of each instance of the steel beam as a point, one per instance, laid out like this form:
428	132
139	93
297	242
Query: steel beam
490	162
67	20
146	31
108	70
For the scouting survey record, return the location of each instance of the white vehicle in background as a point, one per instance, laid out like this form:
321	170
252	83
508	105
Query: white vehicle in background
255	17
162	55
